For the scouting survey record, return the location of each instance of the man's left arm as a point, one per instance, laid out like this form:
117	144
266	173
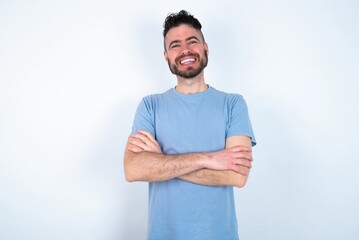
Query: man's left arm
226	177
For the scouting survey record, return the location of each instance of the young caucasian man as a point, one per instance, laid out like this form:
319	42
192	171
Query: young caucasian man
192	143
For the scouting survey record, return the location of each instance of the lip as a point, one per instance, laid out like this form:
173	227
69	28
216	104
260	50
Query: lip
187	60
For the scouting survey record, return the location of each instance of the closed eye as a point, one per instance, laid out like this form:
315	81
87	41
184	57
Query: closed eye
174	45
192	41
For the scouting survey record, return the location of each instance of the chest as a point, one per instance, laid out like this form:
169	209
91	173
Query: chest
191	127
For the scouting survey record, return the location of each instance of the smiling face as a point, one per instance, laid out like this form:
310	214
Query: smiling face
185	51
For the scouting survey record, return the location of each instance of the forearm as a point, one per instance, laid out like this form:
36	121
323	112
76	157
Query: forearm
216	178
212	177
144	161
155	167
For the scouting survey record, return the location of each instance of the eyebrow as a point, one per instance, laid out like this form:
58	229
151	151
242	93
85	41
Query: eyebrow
187	39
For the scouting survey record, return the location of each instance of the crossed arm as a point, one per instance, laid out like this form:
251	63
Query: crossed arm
144	161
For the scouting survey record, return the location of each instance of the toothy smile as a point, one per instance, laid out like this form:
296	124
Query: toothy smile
187	61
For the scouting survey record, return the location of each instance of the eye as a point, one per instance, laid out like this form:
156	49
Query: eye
192	41
175	45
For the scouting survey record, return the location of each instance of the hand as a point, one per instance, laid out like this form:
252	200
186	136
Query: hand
143	141
238	159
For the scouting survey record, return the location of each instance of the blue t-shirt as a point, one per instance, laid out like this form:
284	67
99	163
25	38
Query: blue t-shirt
185	123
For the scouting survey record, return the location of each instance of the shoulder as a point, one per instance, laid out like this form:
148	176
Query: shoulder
153	101
153	98
230	98
157	95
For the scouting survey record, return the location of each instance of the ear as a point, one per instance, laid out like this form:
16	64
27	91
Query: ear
165	55
206	48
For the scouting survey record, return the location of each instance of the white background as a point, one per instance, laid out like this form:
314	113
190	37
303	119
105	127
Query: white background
73	72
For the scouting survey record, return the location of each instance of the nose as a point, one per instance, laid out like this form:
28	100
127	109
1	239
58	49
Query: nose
185	50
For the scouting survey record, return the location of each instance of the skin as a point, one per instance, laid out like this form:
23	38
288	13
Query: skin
186	52
179	42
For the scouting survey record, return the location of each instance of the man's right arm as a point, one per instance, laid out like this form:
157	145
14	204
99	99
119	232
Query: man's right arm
144	160
156	167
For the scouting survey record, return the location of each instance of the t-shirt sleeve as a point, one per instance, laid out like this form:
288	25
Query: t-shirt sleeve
239	121
144	117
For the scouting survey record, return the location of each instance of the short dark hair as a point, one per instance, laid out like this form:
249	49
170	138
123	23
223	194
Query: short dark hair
182	17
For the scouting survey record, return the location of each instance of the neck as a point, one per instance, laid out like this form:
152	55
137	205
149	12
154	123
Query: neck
191	85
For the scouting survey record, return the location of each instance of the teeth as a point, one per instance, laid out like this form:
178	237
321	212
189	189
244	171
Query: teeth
187	61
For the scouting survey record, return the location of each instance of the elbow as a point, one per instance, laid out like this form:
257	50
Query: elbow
130	173
133	175
133	172
241	182
130	176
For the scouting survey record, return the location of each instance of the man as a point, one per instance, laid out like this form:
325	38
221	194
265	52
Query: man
192	144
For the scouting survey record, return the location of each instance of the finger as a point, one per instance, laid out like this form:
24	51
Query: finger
133	148
243	155
140	144
240	148
244	162
148	140
135	141
144	139
244	171
134	137
241	170
140	136
148	135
